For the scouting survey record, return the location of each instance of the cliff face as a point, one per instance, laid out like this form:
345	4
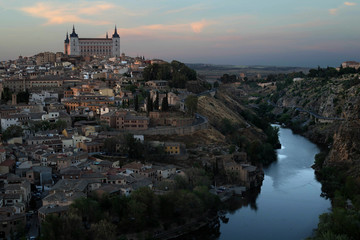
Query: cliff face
346	147
334	98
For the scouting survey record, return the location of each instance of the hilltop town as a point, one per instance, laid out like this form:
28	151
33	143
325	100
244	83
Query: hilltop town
75	126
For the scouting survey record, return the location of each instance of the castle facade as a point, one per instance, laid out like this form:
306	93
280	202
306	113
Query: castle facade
75	46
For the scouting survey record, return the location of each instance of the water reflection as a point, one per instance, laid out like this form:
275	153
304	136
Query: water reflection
288	204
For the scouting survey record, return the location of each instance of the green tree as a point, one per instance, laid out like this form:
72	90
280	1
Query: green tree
133	147
12	131
87	208
226	78
59	125
132	88
156	102
63	227
165	104
23	97
110	144
149	105
136	103
6	94
191	103
103	230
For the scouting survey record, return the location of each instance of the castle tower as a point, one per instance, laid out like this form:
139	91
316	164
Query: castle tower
67	44
74	43
116	44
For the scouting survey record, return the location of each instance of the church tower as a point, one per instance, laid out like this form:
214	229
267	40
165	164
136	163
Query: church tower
67	45
115	44
74	43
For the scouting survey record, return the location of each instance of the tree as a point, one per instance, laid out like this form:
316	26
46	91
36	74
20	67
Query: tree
216	84
156	102
6	94
149	105
136	103
165	104
60	125
226	78
12	131
133	147
23	97
191	104
110	144
67	227
103	230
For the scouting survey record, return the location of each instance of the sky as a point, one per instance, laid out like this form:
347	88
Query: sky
303	33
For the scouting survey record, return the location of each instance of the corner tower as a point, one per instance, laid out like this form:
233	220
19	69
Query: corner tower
67	45
74	43
115	44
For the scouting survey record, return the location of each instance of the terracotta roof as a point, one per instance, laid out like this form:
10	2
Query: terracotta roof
8	163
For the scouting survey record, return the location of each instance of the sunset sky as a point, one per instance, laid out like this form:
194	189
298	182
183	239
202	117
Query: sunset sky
238	32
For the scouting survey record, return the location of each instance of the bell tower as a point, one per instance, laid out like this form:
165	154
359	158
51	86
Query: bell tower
74	43
116	44
67	45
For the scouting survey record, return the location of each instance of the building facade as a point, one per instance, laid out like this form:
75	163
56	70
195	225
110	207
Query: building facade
76	46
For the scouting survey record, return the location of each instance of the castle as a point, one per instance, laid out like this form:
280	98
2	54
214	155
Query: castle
76	46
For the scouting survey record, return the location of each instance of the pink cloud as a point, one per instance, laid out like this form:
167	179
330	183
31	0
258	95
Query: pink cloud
197	27
349	3
167	29
67	13
333	11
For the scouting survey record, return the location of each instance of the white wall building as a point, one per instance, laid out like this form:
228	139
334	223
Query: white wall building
8	121
51	116
76	46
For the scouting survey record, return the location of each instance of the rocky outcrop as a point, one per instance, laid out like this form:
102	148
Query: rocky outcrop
345	150
334	98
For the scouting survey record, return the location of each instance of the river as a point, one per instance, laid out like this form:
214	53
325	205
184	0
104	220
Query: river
289	203
286	207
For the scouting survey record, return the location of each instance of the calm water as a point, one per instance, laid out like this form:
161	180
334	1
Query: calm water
289	202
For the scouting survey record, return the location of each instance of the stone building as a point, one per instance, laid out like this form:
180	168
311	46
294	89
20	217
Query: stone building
76	46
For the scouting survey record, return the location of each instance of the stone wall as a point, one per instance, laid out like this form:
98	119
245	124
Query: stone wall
184	130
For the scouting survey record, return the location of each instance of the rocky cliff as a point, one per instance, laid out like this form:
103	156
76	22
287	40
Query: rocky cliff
345	151
330	100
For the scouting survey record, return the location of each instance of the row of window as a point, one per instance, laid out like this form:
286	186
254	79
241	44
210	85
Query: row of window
97	50
97	43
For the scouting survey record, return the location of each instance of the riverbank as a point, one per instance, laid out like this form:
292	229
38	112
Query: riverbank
290	195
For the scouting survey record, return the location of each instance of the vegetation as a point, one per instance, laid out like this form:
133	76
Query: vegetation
136	103
176	73
165	104
110	217
12	131
125	145
6	94
226	78
46	125
344	220
23	97
191	103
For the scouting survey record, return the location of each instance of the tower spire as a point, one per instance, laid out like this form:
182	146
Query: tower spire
73	34
107	36
116	35
67	37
